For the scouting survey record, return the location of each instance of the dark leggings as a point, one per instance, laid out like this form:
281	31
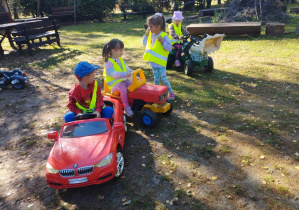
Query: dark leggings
178	46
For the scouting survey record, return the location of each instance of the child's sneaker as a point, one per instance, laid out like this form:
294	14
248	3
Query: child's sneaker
177	63
171	96
129	112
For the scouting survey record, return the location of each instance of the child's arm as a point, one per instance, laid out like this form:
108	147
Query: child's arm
72	105
165	43
112	73
184	30
100	102
145	37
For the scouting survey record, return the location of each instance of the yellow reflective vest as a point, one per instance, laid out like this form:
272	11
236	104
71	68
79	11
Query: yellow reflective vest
93	102
110	80
156	53
177	30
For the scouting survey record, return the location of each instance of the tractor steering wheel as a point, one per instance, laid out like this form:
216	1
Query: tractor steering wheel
186	36
85	116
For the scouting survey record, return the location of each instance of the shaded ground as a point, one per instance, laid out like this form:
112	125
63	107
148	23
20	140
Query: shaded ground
203	156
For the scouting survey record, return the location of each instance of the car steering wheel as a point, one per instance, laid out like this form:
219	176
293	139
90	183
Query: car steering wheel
85	116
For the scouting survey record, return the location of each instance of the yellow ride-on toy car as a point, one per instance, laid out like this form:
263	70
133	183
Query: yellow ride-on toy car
147	98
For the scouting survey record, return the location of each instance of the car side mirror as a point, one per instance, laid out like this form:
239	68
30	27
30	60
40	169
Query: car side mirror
53	135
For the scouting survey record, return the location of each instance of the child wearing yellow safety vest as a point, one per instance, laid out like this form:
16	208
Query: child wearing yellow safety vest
176	32
86	96
157	49
117	72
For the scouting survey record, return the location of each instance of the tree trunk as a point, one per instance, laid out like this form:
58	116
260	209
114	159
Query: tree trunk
15	13
219	1
209	3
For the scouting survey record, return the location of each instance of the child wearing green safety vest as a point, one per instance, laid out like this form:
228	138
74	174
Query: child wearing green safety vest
157	49
116	72
86	95
176	32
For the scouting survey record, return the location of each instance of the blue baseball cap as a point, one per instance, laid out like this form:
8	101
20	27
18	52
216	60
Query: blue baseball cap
84	68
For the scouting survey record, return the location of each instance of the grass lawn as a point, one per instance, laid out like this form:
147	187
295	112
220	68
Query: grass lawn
232	139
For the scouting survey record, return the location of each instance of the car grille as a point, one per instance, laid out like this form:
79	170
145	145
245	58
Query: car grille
163	96
85	170
67	172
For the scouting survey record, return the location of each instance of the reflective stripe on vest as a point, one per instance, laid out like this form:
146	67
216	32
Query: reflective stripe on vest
92	104
177	30
110	80
155	54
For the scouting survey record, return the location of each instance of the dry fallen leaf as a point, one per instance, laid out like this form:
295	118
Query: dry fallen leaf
214	178
266	168
188	104
262	157
297	167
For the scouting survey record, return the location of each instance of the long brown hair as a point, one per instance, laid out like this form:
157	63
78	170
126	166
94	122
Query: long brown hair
112	44
157	20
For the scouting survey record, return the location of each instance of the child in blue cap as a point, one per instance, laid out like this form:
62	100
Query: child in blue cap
82	98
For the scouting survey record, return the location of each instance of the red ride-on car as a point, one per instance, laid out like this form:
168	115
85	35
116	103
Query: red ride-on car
87	151
147	98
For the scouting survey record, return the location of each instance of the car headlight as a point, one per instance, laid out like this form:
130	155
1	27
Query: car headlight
50	169
105	161
163	96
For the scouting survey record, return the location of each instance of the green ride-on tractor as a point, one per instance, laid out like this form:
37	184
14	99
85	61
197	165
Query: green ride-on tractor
195	52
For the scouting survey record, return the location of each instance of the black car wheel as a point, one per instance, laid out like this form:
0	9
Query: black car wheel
120	163
148	118
188	67
210	65
170	110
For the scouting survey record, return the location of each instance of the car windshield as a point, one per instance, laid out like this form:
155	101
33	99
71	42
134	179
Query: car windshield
84	129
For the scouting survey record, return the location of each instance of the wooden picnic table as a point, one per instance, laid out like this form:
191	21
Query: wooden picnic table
5	32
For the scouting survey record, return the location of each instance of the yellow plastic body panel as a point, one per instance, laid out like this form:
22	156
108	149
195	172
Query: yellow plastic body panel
156	108
137	83
107	91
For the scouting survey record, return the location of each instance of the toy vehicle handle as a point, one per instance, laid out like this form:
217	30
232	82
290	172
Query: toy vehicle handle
137	83
186	36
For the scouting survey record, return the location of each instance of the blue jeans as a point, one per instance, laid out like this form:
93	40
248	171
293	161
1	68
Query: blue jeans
106	112
161	72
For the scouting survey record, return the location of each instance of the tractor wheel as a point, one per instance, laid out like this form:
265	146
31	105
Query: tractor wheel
188	67
170	61
148	118
210	65
170	110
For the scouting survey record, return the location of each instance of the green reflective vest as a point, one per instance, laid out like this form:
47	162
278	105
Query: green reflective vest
93	102
156	53
177	30
110	80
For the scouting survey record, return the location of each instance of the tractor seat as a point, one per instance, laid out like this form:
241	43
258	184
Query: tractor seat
107	91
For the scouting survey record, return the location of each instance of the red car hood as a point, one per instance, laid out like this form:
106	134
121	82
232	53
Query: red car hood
83	151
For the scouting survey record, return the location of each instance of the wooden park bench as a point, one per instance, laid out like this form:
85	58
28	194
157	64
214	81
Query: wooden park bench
27	33
61	12
238	28
135	10
211	12
294	10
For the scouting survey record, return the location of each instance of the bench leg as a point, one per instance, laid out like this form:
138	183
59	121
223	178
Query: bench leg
125	17
1	50
48	39
20	48
30	49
